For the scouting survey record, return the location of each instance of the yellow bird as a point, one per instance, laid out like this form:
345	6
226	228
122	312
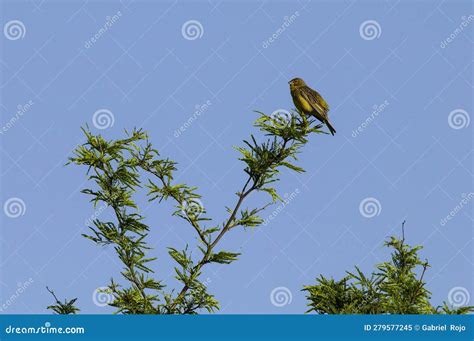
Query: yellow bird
310	102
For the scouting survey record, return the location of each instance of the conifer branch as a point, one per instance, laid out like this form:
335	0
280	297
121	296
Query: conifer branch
118	168
393	289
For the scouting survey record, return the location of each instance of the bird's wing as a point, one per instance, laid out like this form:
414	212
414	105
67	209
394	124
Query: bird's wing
316	100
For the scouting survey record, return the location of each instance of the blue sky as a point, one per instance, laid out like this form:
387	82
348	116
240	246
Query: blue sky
396	74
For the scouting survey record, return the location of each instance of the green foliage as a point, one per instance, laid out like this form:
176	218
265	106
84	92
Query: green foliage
61	308
394	288
120	168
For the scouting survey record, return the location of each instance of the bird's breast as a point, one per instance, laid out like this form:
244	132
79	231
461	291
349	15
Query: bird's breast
303	104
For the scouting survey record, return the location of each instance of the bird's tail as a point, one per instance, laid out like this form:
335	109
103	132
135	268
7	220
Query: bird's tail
331	128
